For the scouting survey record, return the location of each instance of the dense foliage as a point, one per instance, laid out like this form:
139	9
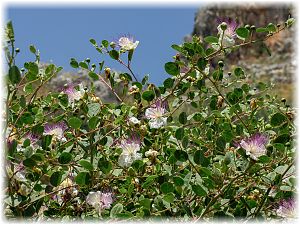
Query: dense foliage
72	156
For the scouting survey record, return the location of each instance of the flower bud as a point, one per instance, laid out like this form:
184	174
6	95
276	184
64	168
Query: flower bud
107	72
88	60
247	26
229	73
283	100
278	25
223	26
17	50
252	27
253	104
93	65
221	63
112	44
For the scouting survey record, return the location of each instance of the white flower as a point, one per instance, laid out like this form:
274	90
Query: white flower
56	130
100	200
133	120
287	208
127	43
226	37
130	148
73	93
254	145
155	115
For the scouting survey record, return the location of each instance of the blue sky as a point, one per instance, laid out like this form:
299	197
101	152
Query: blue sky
64	32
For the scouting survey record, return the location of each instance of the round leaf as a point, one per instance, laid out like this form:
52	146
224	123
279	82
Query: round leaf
75	122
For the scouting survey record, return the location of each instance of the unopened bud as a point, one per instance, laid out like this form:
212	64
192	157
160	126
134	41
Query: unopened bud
112	44
247	26
93	65
221	63
252	27
253	104
283	100
107	72
223	26
88	60
17	50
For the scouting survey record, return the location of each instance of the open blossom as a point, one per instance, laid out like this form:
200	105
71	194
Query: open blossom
254	145
228	38
155	114
127	43
100	200
73	93
287	208
56	130
130	153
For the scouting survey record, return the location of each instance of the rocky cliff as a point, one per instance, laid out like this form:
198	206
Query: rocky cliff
278	68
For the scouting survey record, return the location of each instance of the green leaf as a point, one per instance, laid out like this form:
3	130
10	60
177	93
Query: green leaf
149	181
93	41
283	138
146	203
105	166
74	63
93	109
201	63
271	27
169	197
181	155
167	187
179	133
14	75
75	122
168	83
93	121
86	164
28	88
29	211
55	178
211	39
238	71
82	178
264	159
83	65
185	141
178	181
242	33
32	49
200	159
29	162
118	208
38	157
65	158
261	30
199	190
285	188
105	43
183	118
172	68
220	143
281	169
176	47
93	75
290	22
114	54
277	119
148	95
